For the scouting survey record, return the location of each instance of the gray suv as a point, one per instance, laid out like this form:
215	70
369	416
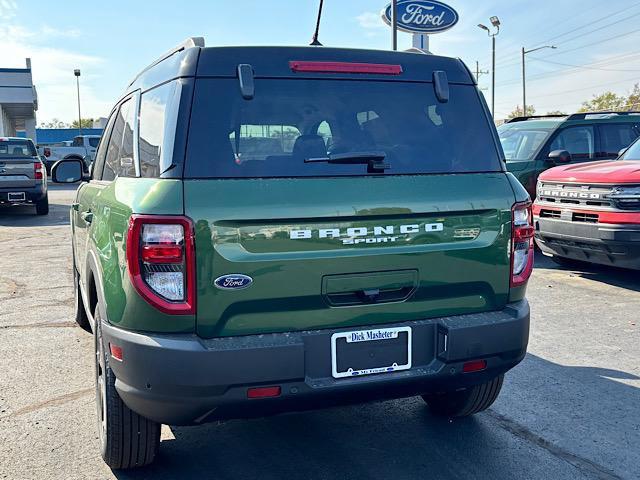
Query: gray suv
23	179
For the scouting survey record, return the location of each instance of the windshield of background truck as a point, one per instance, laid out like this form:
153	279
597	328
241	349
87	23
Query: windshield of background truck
633	153
290	120
16	148
521	140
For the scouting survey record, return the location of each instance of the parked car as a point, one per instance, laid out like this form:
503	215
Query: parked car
374	247
83	147
591	212
531	144
22	175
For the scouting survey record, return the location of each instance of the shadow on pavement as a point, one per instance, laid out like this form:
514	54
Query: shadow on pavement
25	216
400	439
617	277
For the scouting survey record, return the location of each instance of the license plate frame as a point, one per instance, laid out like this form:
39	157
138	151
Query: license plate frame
16	196
365	336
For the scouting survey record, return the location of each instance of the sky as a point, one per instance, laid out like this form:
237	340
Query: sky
110	41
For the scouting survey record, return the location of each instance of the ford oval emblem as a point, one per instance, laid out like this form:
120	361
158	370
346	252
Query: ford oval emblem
422	16
233	281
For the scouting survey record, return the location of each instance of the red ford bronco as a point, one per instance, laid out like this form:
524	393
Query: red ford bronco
591	212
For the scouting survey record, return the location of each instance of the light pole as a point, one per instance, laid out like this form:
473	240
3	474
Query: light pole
76	72
524	86
495	21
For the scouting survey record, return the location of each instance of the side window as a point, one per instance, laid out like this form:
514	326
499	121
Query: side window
119	160
614	138
77	142
98	164
157	127
578	141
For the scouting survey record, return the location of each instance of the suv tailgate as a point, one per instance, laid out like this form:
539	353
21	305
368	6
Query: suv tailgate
445	253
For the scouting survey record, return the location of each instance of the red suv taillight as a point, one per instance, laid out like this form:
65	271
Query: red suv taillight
161	259
521	243
37	170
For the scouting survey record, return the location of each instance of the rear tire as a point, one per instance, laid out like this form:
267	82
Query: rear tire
127	439
465	402
42	206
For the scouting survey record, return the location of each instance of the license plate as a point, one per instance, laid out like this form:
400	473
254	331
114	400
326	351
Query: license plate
16	196
365	352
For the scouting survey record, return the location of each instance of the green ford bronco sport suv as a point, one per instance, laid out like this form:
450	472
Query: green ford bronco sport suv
276	229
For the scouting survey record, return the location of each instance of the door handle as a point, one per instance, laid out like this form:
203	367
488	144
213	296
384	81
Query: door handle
87	216
75	206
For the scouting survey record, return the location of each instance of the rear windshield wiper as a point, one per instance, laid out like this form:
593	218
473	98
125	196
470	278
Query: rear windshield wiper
374	160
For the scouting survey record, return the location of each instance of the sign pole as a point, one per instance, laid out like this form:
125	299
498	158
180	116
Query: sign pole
421	42
394	24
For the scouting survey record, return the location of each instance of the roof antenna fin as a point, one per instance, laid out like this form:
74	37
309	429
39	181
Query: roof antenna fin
314	40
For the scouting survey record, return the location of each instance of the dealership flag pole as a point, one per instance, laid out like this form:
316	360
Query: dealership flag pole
394	24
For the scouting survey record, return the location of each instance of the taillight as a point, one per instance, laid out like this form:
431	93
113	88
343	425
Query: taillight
37	170
521	243
161	259
47	152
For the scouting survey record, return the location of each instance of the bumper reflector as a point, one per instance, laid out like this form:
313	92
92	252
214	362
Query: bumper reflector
474	366
116	351
263	392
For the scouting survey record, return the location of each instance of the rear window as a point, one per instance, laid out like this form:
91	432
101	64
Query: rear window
290	120
94	141
17	148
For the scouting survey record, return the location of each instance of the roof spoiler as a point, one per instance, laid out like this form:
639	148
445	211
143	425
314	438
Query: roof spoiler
190	42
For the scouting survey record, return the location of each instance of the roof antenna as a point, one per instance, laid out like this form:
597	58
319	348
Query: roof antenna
314	40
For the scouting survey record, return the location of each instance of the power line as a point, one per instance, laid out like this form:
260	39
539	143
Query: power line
583	66
571	70
624	10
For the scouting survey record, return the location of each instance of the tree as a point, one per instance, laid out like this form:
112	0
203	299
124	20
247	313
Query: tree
86	123
54	123
633	101
607	101
556	112
531	110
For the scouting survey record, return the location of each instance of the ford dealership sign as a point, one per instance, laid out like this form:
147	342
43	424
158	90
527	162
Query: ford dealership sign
422	16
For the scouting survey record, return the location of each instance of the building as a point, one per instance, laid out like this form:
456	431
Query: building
18	102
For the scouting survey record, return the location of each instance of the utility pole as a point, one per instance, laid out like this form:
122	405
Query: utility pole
479	72
76	72
524	82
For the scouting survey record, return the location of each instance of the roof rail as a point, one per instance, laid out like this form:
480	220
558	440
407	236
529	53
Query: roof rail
583	115
529	117
188	43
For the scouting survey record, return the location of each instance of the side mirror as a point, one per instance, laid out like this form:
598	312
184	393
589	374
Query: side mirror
67	171
560	156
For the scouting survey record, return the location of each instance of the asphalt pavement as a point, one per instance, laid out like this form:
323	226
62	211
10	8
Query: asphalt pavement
570	410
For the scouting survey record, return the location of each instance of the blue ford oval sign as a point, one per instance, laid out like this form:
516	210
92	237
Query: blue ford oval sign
234	281
422	16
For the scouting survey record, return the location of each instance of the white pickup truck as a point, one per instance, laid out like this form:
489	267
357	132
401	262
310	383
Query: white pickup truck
82	147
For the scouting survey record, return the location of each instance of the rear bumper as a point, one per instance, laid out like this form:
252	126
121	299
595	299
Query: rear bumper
185	380
32	194
601	243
